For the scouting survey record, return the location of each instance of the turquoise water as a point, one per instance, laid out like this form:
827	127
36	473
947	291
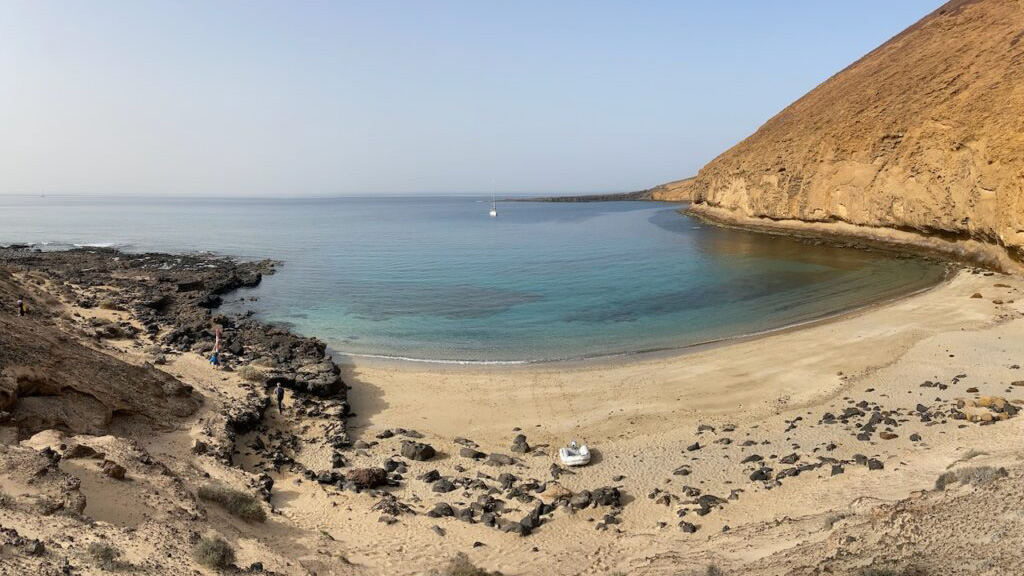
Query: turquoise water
436	278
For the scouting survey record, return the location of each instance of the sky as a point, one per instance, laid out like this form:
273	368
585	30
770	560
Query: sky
303	98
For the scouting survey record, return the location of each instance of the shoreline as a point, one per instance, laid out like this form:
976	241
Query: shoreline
385	361
959	250
515	376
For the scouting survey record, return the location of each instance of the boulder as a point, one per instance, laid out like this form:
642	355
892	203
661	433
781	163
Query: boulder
607	496
113	469
417	451
471	453
519	445
496	459
580	500
80	451
443	485
365	478
441	510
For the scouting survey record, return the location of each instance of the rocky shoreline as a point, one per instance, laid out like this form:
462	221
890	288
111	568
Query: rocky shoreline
174	298
843	234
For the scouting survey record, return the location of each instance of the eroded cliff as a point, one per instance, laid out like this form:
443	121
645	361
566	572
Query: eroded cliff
921	141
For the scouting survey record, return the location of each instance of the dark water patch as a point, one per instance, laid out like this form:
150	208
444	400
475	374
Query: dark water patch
696	298
385	301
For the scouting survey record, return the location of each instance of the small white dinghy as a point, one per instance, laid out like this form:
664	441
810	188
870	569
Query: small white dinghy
575	454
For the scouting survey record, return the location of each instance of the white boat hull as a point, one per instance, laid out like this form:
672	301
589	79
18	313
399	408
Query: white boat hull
574	457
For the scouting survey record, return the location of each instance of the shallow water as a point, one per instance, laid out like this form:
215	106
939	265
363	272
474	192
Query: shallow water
436	278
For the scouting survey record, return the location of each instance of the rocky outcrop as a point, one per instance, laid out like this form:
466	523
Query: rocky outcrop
677	191
919	142
50	380
47	380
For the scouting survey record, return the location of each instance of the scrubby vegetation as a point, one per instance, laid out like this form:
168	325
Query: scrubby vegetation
461	565
238	503
108	305
106	556
974	475
214	552
251	374
831	520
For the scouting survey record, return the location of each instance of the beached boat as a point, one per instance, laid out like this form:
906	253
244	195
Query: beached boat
574	454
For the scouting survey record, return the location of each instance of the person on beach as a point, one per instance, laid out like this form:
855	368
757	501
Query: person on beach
21	306
215	358
279	394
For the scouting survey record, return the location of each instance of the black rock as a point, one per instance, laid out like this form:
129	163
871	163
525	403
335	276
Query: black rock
417	451
516	528
608	496
443	485
519	445
496	459
431	476
580	500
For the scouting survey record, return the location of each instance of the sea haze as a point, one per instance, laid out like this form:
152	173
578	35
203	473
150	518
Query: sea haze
435	278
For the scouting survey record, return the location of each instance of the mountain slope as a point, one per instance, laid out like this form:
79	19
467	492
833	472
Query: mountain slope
921	141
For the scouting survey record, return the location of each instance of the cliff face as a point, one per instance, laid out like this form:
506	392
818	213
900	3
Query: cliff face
923	137
676	191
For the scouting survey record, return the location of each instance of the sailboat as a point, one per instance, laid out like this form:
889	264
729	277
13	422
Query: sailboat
494	208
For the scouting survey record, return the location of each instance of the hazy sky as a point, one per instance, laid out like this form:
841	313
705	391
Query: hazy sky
322	98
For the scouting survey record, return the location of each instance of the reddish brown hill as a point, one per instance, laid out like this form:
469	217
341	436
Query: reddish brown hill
920	141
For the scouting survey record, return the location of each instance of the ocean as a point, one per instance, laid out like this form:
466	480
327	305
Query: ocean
435	278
